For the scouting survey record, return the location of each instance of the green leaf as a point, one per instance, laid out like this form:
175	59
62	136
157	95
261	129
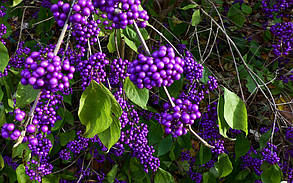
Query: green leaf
16	2
111	43
1	94
242	146
2	116
4	57
130	43
236	15
235	112
155	133
271	174
51	179
165	145
246	9
264	139
112	174
21	151
190	6
205	75
138	96
97	109
195	18
223	126
25	94
1	162
163	176
136	171
209	178
22	177
250	84
131	38
224	165
67	137
242	175
205	154
110	136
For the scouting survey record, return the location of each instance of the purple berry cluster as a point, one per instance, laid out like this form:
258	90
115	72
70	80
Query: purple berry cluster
84	32
118	69
9	130
45	113
208	124
3	31
2	11
284	38
60	12
161	69
175	119
81	11
134	135
278	8
47	72
17	61
93	69
121	13
36	170
192	70
39	145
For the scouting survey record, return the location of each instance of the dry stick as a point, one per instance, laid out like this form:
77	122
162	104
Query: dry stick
166	91
160	34
201	139
42	21
209	38
146	49
213	44
170	32
99	44
21	27
198	44
58	171
31	113
116	44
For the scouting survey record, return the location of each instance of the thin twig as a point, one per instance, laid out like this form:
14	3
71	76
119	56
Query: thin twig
21	28
199	138
116	43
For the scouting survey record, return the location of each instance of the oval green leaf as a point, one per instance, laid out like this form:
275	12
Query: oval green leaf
4	57
235	112
138	96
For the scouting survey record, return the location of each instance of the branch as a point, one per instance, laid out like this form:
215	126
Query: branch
201	139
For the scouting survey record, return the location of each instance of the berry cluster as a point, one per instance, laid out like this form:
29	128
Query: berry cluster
47	72
45	113
87	31
278	8
159	70
60	12
121	13
192	70
134	135
18	59
36	170
284	38
118	70
175	119
93	69
3	31
9	129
